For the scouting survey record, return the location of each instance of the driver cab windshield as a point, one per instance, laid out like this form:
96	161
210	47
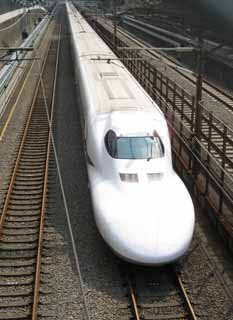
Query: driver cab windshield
142	147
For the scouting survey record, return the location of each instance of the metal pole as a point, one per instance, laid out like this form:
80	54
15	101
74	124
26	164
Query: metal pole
114	24
199	88
199	71
96	15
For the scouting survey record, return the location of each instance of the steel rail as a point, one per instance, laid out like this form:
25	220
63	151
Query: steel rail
186	297
220	131
21	165
44	197
8	79
13	177
214	130
211	89
26	46
180	286
133	300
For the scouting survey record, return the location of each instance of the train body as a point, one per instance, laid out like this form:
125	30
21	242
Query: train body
142	209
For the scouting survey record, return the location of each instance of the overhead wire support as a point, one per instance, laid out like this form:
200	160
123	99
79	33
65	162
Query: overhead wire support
174	49
148	59
199	83
199	71
114	24
19	59
15	50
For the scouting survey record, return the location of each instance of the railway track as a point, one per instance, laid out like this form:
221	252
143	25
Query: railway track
19	88
202	145
157	294
216	136
23	213
213	91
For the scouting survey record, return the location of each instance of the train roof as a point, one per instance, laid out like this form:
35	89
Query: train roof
89	43
115	88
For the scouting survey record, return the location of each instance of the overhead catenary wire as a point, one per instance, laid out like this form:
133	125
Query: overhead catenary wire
64	198
15	23
148	59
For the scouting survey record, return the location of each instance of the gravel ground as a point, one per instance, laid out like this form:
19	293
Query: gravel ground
210	103
61	296
10	142
207	270
208	265
99	267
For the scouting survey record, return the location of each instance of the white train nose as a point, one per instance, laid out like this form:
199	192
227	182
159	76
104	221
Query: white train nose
145	233
150	252
145	244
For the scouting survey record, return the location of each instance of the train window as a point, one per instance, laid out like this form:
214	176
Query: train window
110	143
148	147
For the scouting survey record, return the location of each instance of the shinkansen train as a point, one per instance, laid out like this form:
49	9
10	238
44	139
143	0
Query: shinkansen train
141	207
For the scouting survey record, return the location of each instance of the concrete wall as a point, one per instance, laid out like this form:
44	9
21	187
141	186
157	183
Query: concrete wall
11	35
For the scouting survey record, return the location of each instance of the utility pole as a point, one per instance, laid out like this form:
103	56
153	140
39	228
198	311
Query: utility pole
199	82
96	17
114	24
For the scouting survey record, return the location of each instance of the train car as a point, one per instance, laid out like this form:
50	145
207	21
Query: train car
141	207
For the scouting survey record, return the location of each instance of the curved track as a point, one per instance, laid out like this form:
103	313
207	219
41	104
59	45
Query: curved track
22	218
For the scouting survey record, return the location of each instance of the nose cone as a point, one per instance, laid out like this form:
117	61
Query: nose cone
148	241
147	228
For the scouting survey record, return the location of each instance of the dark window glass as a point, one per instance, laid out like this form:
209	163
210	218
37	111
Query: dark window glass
110	142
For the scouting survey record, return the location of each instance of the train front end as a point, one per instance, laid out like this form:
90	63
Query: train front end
142	208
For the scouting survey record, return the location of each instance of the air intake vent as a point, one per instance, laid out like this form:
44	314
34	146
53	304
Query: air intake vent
129	177
154	176
108	74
